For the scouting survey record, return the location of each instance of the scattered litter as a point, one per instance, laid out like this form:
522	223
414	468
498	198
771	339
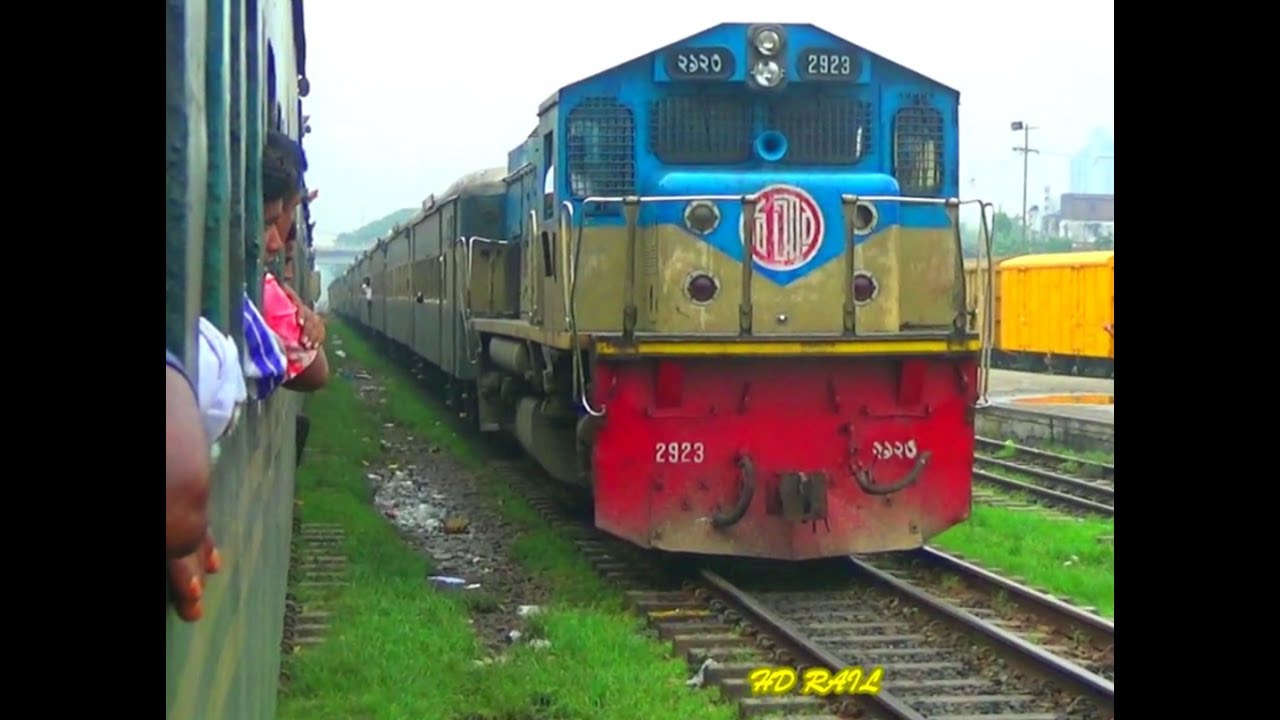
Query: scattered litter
363	376
473	586
340	353
540	643
527	610
700	677
679	612
499	660
445	582
513	636
374	477
456	525
388	425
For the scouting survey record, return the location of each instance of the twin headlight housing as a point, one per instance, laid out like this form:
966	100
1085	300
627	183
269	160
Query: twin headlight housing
767	43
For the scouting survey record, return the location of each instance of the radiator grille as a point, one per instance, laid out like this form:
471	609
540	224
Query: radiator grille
700	130
823	130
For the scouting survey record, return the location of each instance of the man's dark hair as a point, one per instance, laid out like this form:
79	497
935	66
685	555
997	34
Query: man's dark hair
282	166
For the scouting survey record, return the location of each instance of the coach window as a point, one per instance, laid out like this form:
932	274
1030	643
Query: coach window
275	111
271	77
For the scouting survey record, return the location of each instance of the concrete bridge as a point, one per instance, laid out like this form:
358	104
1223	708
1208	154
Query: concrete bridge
331	263
335	256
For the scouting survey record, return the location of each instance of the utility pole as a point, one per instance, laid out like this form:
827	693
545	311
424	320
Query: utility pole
1026	151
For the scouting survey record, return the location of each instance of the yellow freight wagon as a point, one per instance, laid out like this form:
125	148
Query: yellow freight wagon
975	292
1056	309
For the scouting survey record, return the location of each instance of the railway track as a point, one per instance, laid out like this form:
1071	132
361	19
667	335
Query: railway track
1078	635
1094	494
1040	658
931	674
976	647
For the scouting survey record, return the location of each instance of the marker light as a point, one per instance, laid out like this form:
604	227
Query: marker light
701	216
864	287
865	218
702	288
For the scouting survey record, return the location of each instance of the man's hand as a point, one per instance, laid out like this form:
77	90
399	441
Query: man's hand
313	330
186	579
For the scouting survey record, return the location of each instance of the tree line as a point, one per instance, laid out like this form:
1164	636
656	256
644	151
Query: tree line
1008	240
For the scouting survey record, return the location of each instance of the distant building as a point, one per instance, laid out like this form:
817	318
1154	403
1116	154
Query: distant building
1048	214
1093	169
1084	218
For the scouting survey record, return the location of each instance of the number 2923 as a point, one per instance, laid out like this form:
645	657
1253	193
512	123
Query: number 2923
678	452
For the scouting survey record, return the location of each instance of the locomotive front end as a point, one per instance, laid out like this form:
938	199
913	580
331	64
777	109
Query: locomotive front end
762	246
722	285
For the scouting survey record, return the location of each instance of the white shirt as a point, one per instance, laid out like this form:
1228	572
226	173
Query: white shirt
368	292
221	383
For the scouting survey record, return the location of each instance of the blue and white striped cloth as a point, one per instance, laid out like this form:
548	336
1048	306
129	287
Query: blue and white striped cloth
264	360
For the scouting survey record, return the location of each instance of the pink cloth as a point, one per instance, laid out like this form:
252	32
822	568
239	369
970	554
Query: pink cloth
284	320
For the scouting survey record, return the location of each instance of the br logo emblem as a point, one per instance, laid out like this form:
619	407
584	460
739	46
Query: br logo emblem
789	228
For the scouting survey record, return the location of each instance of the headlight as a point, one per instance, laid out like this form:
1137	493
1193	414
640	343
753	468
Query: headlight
767	41
766	73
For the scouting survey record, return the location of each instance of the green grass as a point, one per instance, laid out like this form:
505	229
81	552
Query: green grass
397	649
1091	455
1009	452
1063	556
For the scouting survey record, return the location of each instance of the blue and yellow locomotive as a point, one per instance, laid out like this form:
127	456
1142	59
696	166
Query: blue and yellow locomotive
722	284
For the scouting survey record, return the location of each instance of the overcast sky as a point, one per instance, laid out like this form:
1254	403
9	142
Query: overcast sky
406	96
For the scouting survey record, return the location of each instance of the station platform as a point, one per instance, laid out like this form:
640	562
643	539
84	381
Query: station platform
1080	397
1075	412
